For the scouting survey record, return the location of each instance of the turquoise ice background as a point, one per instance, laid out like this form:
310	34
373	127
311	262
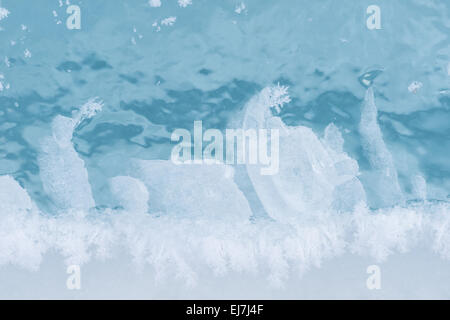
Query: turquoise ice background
86	118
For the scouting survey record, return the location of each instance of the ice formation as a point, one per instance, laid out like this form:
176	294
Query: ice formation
2	77
415	86
168	21
3	13
13	197
154	3
179	219
419	187
184	3
240	8
130	193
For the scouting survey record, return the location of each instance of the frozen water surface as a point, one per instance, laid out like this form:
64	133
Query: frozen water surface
86	177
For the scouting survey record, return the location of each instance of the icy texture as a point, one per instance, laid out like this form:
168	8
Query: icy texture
181	246
184	3
63	172
361	178
180	218
193	190
3	13
315	176
13	197
154	3
130	193
419	187
383	176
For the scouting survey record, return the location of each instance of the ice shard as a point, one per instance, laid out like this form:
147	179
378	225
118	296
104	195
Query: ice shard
313	177
192	190
62	171
13	197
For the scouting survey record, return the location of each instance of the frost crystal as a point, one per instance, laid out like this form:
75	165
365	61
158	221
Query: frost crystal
169	21
27	53
184	3
88	110
278	96
3	85
3	13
